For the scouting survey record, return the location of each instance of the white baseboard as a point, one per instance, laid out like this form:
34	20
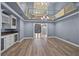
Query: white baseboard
66	41
26	38
21	40
53	37
50	36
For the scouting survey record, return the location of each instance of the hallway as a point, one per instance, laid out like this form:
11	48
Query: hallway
42	47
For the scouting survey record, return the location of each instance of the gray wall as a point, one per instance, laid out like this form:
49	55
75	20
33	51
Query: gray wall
21	29
68	29
51	29
28	29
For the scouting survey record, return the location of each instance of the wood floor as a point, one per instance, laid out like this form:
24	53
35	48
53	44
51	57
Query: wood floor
42	47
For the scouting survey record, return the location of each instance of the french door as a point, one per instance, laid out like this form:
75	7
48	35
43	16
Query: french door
40	30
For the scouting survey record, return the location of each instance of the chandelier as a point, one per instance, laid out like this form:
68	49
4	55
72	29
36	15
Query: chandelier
44	18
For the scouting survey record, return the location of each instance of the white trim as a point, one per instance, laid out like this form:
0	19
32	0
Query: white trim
50	36
25	38
39	21
28	38
67	41
21	40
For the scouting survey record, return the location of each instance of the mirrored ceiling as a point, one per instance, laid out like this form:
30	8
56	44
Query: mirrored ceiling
46	10
37	10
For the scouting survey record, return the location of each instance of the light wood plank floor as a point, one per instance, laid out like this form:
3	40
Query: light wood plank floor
42	47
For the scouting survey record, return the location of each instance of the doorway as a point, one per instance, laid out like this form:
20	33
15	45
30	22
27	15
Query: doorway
40	30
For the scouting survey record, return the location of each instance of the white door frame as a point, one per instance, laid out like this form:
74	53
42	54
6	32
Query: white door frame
34	29
41	28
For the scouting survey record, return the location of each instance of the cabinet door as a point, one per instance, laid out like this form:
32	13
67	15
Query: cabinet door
13	22
7	42
2	43
11	39
15	37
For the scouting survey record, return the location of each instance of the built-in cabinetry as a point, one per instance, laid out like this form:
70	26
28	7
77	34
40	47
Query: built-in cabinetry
9	22
8	40
9	31
9	27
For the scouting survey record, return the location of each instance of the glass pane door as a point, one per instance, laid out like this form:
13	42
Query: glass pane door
44	30
40	31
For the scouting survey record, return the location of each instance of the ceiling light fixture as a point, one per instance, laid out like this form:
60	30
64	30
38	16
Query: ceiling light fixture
44	18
